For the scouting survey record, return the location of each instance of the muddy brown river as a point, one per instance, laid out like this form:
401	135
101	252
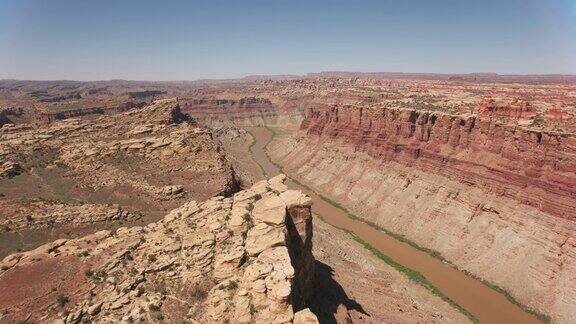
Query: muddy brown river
485	303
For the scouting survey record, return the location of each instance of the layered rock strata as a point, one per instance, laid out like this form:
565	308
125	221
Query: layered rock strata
494	200
536	168
242	259
51	116
248	111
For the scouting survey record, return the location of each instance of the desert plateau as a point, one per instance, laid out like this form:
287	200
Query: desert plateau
247	162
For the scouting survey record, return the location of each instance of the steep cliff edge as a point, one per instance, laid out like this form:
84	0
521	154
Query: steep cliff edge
536	168
495	200
245	259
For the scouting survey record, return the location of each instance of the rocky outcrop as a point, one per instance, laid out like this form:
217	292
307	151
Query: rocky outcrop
4	119
45	115
245	259
531	166
516	109
43	214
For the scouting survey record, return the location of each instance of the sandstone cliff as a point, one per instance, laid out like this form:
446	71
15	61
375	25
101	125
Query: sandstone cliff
534	167
495	200
245	259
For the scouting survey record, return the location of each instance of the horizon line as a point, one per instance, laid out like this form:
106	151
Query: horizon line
307	74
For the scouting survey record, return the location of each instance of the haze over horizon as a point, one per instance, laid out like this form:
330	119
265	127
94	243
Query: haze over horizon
179	40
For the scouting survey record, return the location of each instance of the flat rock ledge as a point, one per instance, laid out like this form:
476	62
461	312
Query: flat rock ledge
223	260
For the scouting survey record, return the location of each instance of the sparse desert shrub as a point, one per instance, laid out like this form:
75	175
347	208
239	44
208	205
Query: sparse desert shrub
538	121
154	308
62	300
158	316
199	291
232	285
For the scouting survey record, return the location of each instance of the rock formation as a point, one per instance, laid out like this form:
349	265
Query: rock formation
516	109
533	167
246	111
143	160
474	167
495	200
245	259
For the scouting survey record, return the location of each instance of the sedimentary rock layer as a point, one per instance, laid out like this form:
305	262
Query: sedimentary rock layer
245	259
456	185
50	116
247	111
533	167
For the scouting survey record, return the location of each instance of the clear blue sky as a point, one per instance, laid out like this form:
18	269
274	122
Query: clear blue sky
187	40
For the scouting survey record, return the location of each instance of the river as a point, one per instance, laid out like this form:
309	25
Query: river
485	303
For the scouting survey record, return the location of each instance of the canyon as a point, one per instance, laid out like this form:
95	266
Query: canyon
409	198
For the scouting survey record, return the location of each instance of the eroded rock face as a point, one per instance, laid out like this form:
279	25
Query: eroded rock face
533	167
245	111
460	186
516	109
242	259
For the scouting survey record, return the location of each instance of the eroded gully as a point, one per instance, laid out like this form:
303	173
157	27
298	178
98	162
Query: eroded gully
485	303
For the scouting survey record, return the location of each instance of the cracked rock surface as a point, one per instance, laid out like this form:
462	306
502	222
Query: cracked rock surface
225	259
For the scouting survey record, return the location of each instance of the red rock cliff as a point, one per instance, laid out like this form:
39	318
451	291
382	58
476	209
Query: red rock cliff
534	167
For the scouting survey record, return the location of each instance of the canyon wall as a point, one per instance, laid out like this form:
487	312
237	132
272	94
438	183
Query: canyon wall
247	111
534	167
496	200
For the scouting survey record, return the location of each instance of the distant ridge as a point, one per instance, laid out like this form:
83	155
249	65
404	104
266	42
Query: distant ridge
272	77
464	77
468	77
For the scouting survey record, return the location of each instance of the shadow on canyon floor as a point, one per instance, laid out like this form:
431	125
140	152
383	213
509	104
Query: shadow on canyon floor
331	295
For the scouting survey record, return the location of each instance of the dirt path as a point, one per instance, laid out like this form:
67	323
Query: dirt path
485	303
